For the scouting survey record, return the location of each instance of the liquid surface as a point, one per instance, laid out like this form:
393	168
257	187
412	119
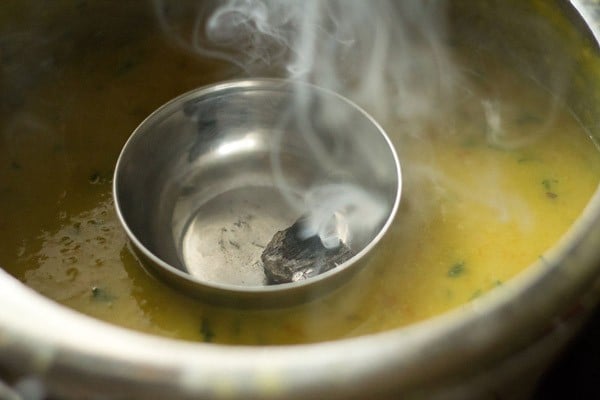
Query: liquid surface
481	201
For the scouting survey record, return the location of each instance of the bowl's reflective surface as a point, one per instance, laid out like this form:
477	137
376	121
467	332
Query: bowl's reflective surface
206	181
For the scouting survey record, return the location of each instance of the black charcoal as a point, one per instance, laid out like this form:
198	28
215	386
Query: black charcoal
288	258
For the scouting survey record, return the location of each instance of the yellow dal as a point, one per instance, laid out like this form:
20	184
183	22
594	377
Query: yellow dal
473	213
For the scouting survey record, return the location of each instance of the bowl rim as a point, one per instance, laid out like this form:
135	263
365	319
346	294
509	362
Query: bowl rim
223	290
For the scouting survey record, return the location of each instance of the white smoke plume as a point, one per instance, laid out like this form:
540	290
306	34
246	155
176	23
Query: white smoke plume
387	56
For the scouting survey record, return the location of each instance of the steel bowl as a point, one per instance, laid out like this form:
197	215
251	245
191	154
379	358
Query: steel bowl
204	183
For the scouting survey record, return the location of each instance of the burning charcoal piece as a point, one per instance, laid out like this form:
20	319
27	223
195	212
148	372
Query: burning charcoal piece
288	258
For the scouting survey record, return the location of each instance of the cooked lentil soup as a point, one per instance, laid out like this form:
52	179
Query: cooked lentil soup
477	208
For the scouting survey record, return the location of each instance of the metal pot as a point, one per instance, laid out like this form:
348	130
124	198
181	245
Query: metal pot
499	343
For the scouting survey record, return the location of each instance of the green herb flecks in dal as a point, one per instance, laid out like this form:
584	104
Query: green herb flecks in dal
206	330
102	295
550	187
457	270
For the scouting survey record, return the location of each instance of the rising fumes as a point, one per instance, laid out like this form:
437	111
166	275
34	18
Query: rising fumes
387	56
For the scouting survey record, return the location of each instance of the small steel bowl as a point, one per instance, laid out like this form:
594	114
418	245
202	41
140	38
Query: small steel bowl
205	181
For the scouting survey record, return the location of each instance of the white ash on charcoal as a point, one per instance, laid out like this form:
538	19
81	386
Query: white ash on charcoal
290	258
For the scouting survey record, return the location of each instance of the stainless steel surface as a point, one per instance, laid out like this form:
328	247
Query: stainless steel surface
205	182
480	351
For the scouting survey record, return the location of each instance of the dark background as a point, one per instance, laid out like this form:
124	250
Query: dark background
576	373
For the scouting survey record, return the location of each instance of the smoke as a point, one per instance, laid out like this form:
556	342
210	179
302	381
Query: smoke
387	56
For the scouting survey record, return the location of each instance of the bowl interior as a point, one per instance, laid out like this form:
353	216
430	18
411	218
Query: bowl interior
206	181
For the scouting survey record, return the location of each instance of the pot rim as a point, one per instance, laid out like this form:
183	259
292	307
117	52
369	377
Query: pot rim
70	341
